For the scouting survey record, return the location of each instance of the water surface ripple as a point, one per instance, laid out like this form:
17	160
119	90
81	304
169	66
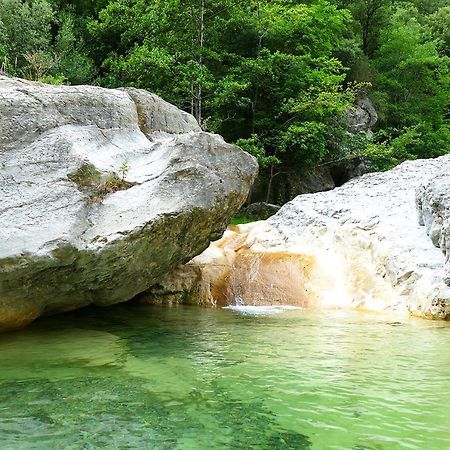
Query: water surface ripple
191	378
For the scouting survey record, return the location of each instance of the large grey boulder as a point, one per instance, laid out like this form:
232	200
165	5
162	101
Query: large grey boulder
366	237
102	193
358	246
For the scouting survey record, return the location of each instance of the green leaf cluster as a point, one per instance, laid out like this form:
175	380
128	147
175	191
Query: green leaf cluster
273	76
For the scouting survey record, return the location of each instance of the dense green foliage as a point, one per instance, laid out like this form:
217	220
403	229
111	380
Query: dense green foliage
275	76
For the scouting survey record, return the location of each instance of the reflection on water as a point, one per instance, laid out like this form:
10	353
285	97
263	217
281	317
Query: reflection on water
190	378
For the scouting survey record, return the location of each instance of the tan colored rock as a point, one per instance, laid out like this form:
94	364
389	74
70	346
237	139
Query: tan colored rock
265	278
229	272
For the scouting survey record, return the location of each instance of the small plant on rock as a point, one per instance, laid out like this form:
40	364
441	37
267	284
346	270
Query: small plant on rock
124	168
90	181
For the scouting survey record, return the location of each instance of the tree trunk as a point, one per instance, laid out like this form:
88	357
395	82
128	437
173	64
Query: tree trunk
258	51
269	187
192	99
201	41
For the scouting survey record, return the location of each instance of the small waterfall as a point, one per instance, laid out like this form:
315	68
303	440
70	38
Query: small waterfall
252	267
258	278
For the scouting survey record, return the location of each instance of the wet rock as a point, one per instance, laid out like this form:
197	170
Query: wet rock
229	272
264	278
103	193
203	280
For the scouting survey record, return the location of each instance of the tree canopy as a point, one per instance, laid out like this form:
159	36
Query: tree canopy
274	76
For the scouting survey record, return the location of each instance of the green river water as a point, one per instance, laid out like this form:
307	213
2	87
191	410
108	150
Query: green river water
142	377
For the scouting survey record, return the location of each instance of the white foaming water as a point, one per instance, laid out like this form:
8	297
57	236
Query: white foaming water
260	310
345	273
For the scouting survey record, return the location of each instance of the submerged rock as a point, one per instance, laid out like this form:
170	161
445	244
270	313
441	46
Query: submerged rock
103	192
357	246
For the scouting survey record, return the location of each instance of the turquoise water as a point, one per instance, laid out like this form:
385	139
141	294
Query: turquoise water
189	378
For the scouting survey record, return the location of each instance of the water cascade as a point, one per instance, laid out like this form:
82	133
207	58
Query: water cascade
248	267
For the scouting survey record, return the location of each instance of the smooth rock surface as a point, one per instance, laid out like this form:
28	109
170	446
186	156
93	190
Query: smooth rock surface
359	246
62	248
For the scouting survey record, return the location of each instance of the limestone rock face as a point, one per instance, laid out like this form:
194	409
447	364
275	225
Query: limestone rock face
155	114
358	246
102	193
363	116
366	233
433	202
